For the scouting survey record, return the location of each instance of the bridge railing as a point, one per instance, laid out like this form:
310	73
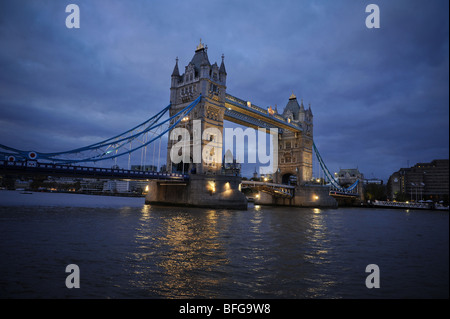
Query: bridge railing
256	183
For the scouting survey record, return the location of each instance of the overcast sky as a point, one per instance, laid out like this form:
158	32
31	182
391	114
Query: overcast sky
379	97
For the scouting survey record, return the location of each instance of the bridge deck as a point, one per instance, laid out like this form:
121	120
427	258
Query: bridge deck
343	194
35	168
277	190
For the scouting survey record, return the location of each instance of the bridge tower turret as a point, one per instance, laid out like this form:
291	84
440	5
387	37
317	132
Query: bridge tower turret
209	80
295	148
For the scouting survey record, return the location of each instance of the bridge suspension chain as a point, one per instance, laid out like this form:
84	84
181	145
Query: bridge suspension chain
120	145
334	183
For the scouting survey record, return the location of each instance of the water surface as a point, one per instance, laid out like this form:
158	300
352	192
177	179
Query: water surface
126	249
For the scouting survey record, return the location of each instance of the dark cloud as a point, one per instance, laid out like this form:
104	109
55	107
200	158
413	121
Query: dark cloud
379	97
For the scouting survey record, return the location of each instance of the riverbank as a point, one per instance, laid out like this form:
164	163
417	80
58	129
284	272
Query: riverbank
26	198
408	205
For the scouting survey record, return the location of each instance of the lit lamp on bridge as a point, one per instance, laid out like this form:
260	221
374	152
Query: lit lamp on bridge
211	187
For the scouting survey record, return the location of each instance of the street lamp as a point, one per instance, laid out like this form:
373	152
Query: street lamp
416	186
422	185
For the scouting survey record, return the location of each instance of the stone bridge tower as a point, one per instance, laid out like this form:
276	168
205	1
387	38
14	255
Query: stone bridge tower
209	80
295	149
207	185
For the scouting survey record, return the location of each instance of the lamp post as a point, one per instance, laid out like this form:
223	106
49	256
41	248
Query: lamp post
412	184
422	185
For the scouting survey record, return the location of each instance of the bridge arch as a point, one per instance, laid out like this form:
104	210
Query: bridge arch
183	167
289	178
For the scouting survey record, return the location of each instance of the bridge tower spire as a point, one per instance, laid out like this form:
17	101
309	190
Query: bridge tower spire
200	77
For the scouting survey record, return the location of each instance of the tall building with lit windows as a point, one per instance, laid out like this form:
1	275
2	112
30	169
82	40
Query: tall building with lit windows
423	181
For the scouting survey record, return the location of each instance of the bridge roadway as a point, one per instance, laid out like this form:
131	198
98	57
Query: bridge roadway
335	194
282	190
35	168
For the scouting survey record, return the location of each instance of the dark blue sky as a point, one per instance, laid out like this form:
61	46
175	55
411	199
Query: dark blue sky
380	97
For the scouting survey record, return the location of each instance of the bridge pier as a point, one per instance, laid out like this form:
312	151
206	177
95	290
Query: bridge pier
304	196
211	191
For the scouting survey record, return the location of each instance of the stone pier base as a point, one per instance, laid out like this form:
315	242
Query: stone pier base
212	191
305	196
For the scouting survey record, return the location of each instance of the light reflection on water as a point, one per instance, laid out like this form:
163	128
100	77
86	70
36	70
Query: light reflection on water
178	248
142	251
264	252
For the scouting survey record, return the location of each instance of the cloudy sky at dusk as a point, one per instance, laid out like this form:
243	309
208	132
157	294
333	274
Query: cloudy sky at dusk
380	97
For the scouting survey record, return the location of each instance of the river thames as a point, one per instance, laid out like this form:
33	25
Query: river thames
126	249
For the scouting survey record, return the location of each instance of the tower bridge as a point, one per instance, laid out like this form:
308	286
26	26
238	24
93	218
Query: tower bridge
293	137
199	104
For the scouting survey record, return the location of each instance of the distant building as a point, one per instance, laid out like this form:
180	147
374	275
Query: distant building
255	175
347	177
230	166
20	184
91	185
116	186
423	181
